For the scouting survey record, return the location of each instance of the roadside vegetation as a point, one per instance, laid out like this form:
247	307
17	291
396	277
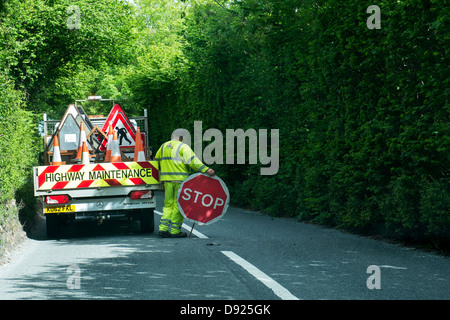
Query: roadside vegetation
363	114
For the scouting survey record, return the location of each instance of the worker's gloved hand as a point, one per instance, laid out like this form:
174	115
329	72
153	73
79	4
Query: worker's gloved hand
210	172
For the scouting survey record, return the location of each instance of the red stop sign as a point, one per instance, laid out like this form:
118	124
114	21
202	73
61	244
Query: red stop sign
203	198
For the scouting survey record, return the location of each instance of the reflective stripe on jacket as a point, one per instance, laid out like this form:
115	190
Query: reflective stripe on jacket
177	160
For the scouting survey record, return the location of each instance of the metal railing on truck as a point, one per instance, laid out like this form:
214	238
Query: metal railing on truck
49	127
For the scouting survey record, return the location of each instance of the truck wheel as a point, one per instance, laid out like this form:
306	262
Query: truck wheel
53	227
147	220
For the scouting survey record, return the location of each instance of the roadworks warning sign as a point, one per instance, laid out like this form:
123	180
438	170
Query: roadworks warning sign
97	175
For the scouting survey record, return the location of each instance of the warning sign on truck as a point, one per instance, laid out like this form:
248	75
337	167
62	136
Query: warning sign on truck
97	175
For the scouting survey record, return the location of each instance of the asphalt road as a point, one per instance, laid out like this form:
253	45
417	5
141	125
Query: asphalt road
244	256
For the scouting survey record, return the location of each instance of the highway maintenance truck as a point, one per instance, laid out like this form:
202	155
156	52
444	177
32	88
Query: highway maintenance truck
96	168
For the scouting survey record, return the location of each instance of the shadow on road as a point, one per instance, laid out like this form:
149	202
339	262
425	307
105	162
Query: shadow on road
115	261
85	229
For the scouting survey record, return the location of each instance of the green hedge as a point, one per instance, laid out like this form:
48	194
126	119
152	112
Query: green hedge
16	150
363	113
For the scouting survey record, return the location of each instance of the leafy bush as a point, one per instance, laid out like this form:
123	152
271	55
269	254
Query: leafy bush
363	113
17	151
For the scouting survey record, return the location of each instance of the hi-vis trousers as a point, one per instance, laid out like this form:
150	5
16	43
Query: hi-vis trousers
171	217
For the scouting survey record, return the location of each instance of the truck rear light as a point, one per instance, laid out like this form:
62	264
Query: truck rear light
57	199
141	194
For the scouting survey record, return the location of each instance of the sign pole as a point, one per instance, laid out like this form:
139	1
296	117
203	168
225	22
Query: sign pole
192	229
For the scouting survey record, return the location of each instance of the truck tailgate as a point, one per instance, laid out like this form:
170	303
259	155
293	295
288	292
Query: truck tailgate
96	179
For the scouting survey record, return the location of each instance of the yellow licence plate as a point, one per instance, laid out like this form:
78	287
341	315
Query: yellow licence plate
68	208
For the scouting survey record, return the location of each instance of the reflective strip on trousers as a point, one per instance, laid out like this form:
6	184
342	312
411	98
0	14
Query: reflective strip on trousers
176	227
164	224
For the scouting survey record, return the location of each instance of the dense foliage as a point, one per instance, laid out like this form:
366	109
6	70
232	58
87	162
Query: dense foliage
16	149
48	58
363	113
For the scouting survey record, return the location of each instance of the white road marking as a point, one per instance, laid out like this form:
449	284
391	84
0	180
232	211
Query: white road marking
393	267
188	228
278	289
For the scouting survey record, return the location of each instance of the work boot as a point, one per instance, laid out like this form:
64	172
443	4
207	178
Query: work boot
164	234
178	235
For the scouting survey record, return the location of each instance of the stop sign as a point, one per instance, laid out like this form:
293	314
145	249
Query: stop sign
203	198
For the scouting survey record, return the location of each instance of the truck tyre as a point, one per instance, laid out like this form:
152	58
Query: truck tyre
53	227
147	220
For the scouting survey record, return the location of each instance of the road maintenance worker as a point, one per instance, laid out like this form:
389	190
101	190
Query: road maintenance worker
176	161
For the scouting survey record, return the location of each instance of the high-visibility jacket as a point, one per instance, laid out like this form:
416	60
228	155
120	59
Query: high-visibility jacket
177	160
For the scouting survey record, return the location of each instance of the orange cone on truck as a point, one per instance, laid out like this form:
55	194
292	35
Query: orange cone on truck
56	152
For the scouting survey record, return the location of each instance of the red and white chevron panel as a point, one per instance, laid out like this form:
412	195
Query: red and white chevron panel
97	175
